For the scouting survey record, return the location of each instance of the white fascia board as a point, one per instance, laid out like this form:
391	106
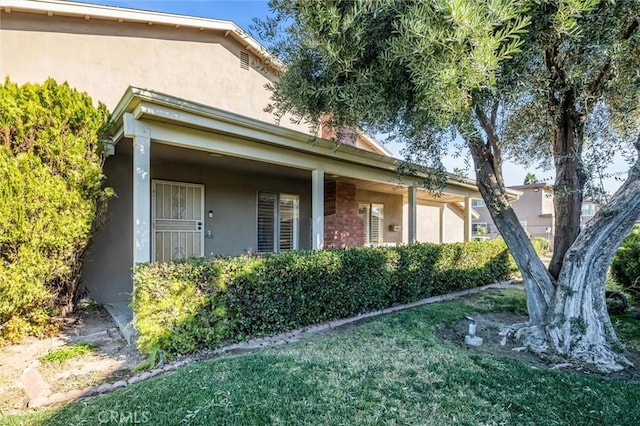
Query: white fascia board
159	108
234	146
252	150
115	13
263	132
371	140
64	8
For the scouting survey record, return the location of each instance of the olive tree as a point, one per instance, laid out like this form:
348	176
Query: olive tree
545	79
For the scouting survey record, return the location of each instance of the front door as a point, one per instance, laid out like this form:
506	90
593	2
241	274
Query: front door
178	218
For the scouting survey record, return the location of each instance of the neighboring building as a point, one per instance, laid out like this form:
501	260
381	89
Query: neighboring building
198	167
534	209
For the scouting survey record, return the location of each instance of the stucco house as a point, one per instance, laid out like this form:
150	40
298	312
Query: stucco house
198	166
535	210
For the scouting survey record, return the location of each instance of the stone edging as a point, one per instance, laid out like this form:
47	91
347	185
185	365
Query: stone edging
42	394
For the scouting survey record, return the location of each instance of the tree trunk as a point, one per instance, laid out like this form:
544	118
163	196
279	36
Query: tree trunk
568	135
537	281
568	187
569	319
578	325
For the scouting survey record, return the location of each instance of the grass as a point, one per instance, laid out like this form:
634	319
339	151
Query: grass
391	370
60	355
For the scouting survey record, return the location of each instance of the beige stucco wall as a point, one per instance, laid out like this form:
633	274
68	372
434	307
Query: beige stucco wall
392	212
428	224
107	267
533	207
104	57
546	202
530	207
231	194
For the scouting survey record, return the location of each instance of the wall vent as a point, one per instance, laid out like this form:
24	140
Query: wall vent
244	60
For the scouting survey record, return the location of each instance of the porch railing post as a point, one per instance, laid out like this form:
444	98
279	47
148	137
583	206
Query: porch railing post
413	214
141	188
467	218
443	209
317	209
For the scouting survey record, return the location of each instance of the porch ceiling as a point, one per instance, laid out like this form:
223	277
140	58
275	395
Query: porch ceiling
163	153
200	134
424	196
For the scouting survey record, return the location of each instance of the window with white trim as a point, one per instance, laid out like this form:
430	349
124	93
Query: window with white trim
588	209
524	225
278	216
479	228
478	203
373	217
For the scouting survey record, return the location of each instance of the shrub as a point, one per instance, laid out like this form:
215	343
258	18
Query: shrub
50	196
625	267
541	245
182	306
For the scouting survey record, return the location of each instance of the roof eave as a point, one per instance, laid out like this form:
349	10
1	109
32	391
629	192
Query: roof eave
87	10
138	100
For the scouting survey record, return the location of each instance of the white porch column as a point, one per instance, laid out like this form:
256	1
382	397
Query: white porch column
467	219
317	209
443	208
413	215
141	187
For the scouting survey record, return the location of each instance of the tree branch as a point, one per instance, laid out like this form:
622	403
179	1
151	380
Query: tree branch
494	113
493	141
596	86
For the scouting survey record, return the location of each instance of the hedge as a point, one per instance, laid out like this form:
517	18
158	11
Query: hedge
51	200
625	266
193	304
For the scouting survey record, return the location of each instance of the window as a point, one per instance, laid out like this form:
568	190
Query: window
524	225
478	203
277	222
588	209
479	228
373	216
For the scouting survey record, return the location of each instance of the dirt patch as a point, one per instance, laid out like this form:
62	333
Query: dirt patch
488	326
110	361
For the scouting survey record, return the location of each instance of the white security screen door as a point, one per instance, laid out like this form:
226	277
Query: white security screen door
178	219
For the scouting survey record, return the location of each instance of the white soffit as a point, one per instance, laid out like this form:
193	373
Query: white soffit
147	104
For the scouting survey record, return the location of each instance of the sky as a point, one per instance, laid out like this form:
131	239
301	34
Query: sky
242	13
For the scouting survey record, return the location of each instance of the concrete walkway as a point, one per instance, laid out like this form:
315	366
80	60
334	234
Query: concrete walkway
122	315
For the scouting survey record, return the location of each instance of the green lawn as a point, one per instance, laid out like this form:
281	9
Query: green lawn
388	371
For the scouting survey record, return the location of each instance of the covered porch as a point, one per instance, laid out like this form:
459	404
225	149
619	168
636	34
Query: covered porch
198	181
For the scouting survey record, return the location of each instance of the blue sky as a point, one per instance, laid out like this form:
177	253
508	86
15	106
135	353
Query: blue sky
239	11
242	13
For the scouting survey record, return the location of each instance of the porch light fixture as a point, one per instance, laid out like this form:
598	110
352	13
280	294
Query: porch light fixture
108	147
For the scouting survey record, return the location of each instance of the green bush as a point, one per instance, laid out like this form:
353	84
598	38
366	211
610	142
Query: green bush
50	196
186	305
541	245
625	267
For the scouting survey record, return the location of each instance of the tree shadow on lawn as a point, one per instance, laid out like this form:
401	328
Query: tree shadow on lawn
390	370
